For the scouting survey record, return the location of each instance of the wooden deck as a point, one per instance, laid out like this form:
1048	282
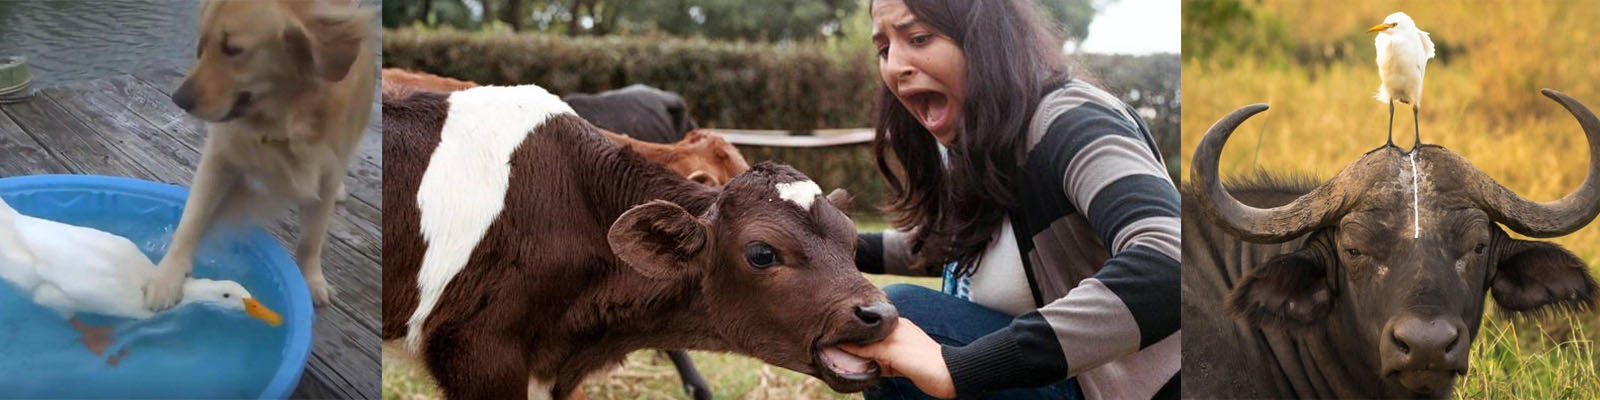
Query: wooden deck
126	126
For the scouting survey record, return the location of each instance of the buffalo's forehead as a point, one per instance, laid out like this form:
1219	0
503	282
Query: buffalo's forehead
1416	195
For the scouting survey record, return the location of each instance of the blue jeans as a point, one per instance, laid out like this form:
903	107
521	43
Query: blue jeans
955	322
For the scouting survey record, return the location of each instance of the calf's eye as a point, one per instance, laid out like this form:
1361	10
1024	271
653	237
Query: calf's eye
760	255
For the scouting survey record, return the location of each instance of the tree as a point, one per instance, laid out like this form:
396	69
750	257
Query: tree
1071	17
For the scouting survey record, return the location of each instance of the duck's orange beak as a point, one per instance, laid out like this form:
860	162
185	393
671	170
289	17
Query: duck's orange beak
261	312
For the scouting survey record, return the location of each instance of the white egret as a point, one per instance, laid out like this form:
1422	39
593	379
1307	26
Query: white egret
1403	53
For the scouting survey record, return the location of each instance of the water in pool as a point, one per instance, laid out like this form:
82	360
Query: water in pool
190	352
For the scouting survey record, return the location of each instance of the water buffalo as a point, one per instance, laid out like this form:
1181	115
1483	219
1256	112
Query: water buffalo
1371	284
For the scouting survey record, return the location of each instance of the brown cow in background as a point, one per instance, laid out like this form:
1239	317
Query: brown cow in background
638	117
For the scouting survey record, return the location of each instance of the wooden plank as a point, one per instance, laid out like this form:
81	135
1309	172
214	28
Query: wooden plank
346	362
346	354
20	154
817	138
74	144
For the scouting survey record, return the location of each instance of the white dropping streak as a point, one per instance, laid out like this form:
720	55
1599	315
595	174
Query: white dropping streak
1416	213
464	186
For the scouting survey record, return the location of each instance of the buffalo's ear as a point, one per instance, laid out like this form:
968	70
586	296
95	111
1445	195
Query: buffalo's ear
1291	292
1533	275
659	239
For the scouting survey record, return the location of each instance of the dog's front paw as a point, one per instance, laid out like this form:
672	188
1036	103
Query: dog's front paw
164	289
321	291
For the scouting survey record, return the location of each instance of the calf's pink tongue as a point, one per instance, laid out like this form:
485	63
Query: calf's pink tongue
842	362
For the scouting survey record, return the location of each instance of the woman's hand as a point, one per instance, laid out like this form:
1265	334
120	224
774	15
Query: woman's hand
910	353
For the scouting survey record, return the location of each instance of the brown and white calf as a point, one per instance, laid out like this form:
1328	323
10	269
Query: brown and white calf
525	250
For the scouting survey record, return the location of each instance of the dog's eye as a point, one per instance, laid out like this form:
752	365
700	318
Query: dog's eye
760	255
226	49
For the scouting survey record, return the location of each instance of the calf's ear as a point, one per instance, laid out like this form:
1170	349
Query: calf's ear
1291	292
1533	275
659	239
841	200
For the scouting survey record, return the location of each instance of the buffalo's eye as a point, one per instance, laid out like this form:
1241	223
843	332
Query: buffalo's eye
1352	252
1480	248
760	255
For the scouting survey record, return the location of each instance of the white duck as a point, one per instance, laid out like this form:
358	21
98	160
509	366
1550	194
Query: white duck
72	269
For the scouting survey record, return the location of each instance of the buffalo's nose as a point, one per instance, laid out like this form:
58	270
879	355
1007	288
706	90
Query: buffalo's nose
1416	336
874	314
1425	343
184	96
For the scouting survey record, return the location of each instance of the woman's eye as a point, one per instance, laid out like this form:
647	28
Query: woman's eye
920	39
760	255
883	51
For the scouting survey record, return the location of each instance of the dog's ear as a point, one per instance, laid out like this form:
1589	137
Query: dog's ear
329	42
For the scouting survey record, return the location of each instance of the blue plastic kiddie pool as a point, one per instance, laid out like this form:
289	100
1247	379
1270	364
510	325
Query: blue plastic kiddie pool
189	352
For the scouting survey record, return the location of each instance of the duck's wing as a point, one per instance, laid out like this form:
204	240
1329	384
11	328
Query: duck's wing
101	272
11	246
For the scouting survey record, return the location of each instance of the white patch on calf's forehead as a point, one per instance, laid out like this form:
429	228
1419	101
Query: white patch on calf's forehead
801	193
464	187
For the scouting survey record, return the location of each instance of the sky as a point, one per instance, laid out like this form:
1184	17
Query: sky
1135	27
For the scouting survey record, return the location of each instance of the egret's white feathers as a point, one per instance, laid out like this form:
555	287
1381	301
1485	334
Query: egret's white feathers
1427	43
1403	54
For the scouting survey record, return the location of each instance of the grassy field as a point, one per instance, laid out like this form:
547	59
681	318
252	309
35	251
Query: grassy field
1481	100
649	375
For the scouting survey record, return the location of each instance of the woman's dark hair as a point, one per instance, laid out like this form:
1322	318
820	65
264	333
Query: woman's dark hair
1013	59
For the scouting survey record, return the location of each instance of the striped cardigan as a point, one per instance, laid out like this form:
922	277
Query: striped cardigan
1098	231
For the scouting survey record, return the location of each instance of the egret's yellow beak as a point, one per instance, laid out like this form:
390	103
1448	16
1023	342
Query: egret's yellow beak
261	312
1381	27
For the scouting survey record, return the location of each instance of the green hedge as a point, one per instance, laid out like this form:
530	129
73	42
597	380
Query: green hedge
795	86
727	84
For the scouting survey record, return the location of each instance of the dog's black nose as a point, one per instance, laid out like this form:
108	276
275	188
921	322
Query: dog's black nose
184	96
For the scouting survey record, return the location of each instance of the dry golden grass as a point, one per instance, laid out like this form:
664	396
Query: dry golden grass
1484	104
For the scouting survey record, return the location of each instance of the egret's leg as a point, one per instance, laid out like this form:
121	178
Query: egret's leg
1391	123
1417	124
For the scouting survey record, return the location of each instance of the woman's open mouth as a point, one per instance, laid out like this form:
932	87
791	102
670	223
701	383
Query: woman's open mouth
931	108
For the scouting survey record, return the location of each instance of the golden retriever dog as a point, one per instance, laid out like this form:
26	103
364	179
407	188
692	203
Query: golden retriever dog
286	88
